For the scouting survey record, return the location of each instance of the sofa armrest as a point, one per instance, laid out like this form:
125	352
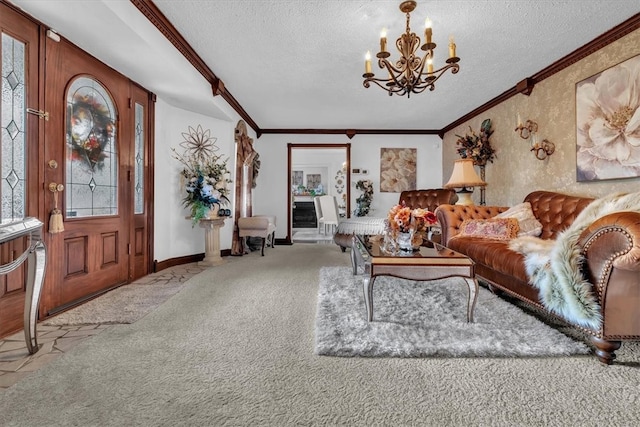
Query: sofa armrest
450	217
611	248
613	241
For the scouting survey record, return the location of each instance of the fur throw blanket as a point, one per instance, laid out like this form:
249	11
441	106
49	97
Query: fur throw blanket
554	267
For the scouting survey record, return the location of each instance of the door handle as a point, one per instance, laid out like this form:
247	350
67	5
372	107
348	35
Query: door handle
55	188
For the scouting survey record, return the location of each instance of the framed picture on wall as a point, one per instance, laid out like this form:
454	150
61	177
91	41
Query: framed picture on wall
313	180
296	178
397	169
608	123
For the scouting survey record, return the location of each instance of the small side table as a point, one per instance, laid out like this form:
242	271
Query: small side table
211	241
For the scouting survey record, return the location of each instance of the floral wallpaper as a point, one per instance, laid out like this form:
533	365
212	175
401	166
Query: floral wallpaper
516	172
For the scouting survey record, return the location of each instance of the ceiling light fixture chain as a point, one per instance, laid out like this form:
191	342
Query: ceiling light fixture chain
408	75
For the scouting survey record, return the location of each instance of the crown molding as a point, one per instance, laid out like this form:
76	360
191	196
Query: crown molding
350	133
526	85
157	18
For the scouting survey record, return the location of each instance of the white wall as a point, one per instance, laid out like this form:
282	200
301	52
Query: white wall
270	195
174	235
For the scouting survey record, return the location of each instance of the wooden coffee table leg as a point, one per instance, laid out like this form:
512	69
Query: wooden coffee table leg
367	287
473	297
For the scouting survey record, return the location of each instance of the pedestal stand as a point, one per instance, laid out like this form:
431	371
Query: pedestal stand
211	241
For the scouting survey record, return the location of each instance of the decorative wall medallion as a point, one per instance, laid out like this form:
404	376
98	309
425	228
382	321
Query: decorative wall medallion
339	181
199	143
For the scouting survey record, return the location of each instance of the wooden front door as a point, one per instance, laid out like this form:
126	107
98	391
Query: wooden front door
89	174
19	53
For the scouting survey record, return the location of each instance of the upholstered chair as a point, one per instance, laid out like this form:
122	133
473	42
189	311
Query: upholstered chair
330	214
263	226
318	208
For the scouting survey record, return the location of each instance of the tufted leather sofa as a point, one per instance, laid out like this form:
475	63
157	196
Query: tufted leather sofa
428	199
611	249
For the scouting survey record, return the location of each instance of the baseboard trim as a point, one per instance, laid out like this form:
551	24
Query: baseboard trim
172	262
187	259
284	242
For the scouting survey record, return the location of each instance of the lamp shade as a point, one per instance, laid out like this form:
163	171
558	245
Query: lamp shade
464	175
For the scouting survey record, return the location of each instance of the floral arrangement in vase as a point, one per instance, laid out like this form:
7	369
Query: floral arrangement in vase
205	184
477	147
407	227
364	200
205	175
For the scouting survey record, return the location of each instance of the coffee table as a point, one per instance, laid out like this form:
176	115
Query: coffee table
428	263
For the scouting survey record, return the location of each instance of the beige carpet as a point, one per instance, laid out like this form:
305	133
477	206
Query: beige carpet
236	347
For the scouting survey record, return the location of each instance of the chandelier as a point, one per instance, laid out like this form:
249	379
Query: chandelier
407	75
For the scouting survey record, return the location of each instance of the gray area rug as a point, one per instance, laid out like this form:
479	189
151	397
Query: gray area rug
420	319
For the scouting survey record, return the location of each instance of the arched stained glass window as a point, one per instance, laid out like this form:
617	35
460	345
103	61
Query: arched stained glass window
92	162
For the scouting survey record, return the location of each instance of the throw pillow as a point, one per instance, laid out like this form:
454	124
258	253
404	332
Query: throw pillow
529	224
492	228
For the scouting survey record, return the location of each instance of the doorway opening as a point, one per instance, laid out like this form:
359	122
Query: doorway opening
314	170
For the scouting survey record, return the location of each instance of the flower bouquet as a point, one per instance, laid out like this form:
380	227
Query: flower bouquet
477	147
206	180
406	227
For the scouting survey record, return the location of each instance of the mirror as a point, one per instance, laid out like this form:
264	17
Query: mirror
313	170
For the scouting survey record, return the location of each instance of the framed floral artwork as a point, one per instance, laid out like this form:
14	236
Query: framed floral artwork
397	169
608	123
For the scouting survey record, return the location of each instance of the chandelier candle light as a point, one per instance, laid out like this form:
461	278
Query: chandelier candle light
407	75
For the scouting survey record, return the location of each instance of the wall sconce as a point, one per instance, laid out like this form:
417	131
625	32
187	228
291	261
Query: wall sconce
528	131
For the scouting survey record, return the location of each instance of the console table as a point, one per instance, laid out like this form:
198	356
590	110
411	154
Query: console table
212	241
35	256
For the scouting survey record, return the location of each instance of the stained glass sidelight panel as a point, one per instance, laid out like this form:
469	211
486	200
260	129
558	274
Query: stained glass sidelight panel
12	118
138	190
92	162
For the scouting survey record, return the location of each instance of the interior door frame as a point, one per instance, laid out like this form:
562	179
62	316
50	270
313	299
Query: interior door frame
293	146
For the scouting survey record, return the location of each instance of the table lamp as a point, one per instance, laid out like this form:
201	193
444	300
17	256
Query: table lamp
464	177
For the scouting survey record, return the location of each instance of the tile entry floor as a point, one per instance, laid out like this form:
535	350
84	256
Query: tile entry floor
16	362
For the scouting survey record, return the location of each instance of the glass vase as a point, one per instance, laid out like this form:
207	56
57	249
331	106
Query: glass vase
404	241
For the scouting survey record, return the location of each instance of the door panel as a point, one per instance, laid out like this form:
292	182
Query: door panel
91	148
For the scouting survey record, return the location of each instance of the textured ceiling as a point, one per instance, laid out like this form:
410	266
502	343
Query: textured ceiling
299	64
